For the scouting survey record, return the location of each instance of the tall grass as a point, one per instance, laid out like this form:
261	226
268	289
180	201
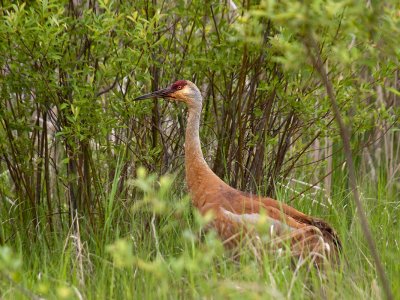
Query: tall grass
154	248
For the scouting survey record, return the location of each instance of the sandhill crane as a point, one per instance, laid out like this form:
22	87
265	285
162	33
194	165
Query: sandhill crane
234	211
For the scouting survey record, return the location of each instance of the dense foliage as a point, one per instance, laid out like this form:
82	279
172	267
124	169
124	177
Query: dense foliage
72	141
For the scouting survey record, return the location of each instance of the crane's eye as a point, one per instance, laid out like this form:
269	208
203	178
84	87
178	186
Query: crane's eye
179	87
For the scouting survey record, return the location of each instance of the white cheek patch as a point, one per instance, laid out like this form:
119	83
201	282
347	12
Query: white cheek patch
275	227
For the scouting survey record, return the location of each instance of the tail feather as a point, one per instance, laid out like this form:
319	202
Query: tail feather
328	232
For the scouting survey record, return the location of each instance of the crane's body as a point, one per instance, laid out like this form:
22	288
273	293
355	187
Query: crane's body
234	211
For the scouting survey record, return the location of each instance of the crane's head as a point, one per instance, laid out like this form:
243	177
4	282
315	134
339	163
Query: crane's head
181	90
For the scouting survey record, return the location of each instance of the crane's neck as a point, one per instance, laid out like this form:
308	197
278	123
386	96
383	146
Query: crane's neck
193	152
199	176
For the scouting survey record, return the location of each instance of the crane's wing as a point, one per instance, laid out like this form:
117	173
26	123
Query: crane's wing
304	232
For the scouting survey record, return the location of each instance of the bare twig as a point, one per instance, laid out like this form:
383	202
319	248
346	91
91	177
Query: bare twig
109	88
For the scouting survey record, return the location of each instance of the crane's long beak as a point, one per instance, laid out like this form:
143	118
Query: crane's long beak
161	93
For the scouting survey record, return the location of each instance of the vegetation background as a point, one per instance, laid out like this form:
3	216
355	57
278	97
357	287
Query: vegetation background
80	217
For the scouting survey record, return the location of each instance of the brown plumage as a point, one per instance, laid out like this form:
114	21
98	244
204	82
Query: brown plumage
236	212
